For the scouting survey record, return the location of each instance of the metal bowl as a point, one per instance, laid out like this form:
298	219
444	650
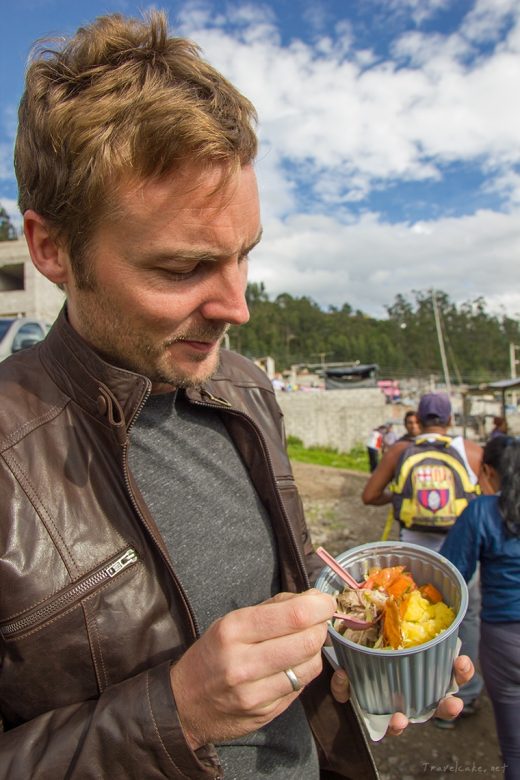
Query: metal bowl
414	679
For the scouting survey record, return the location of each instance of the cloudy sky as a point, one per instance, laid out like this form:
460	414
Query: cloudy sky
390	136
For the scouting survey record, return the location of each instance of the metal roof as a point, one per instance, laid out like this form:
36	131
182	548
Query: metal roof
501	385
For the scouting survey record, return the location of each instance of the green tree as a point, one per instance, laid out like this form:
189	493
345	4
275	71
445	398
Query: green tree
296	330
7	229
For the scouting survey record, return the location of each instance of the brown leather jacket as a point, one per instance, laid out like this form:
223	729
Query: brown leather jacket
91	612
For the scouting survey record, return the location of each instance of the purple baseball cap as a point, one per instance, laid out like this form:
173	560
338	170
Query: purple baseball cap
434	405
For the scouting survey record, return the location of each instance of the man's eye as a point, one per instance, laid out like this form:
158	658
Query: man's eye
180	273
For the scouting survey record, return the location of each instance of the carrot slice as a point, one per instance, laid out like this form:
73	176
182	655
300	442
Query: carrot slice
392	624
403	584
431	593
382	578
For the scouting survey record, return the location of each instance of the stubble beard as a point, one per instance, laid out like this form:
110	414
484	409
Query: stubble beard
183	379
102	325
137	353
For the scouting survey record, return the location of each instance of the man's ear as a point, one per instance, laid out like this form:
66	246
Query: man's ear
47	255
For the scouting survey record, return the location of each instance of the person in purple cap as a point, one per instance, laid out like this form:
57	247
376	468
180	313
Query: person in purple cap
431	480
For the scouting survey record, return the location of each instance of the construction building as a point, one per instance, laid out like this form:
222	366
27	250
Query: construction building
24	292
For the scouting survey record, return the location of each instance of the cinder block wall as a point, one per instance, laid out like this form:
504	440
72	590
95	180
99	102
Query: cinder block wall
334	418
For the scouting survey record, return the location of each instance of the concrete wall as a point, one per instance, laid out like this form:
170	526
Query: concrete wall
334	418
39	298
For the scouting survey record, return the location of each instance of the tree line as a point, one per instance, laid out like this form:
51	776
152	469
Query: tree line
296	330
7	229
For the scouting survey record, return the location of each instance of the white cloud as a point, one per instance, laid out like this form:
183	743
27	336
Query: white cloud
507	185
368	262
338	124
344	123
7	131
486	21
420	10
10	121
6	161
323	109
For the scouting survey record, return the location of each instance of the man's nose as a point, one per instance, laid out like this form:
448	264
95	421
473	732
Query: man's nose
226	300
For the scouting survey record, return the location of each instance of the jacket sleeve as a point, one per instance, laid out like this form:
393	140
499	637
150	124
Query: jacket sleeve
132	730
462	544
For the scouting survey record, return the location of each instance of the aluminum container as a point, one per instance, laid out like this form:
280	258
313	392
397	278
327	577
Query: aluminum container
414	679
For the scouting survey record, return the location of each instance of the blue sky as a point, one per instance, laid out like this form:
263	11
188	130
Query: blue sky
390	136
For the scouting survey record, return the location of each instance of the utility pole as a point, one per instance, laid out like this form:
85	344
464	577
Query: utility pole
322	356
513	363
441	343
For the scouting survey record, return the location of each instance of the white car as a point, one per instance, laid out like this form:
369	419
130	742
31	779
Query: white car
17	333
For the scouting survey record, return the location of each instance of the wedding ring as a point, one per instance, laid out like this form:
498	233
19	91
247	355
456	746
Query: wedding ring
296	684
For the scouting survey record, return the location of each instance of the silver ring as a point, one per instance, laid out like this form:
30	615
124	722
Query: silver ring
296	684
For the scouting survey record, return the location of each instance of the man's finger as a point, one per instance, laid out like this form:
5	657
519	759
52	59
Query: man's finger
278	618
287	596
449	708
464	669
398	723
278	598
340	686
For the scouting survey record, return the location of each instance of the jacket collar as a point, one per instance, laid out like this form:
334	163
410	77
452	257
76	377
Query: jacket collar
98	387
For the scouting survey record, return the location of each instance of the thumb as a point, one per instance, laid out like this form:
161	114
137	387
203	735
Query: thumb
340	686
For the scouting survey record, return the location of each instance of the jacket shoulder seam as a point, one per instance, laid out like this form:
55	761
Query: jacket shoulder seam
23	430
45	516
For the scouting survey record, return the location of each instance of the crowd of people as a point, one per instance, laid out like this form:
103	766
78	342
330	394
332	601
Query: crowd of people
463	500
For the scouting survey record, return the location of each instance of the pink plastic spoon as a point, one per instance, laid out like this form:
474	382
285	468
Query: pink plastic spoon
351	622
337	569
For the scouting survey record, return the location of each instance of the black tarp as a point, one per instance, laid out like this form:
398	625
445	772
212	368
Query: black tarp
343	377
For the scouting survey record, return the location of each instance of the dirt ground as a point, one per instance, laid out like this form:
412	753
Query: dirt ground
339	520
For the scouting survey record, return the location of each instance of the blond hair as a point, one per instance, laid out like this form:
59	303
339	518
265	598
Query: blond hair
120	98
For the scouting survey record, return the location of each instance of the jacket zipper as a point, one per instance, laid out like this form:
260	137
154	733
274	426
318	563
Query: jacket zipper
221	402
73	594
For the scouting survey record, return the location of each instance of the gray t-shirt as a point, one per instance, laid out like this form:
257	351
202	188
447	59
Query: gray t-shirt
222	547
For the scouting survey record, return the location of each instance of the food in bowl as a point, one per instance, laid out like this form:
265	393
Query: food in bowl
413	679
389	610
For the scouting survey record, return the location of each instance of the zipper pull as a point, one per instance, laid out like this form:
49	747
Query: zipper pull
214	398
128	557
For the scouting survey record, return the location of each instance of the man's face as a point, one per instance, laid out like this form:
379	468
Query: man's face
169	275
412	425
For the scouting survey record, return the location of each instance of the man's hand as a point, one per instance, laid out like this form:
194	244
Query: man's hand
448	708
231	681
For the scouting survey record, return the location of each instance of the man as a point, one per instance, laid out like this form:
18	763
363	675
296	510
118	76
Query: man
499	427
155	617
425	511
374	446
434	414
412	427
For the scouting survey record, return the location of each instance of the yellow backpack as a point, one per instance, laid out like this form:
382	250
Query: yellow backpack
432	485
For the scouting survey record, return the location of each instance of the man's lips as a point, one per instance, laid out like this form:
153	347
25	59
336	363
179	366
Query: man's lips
200	346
